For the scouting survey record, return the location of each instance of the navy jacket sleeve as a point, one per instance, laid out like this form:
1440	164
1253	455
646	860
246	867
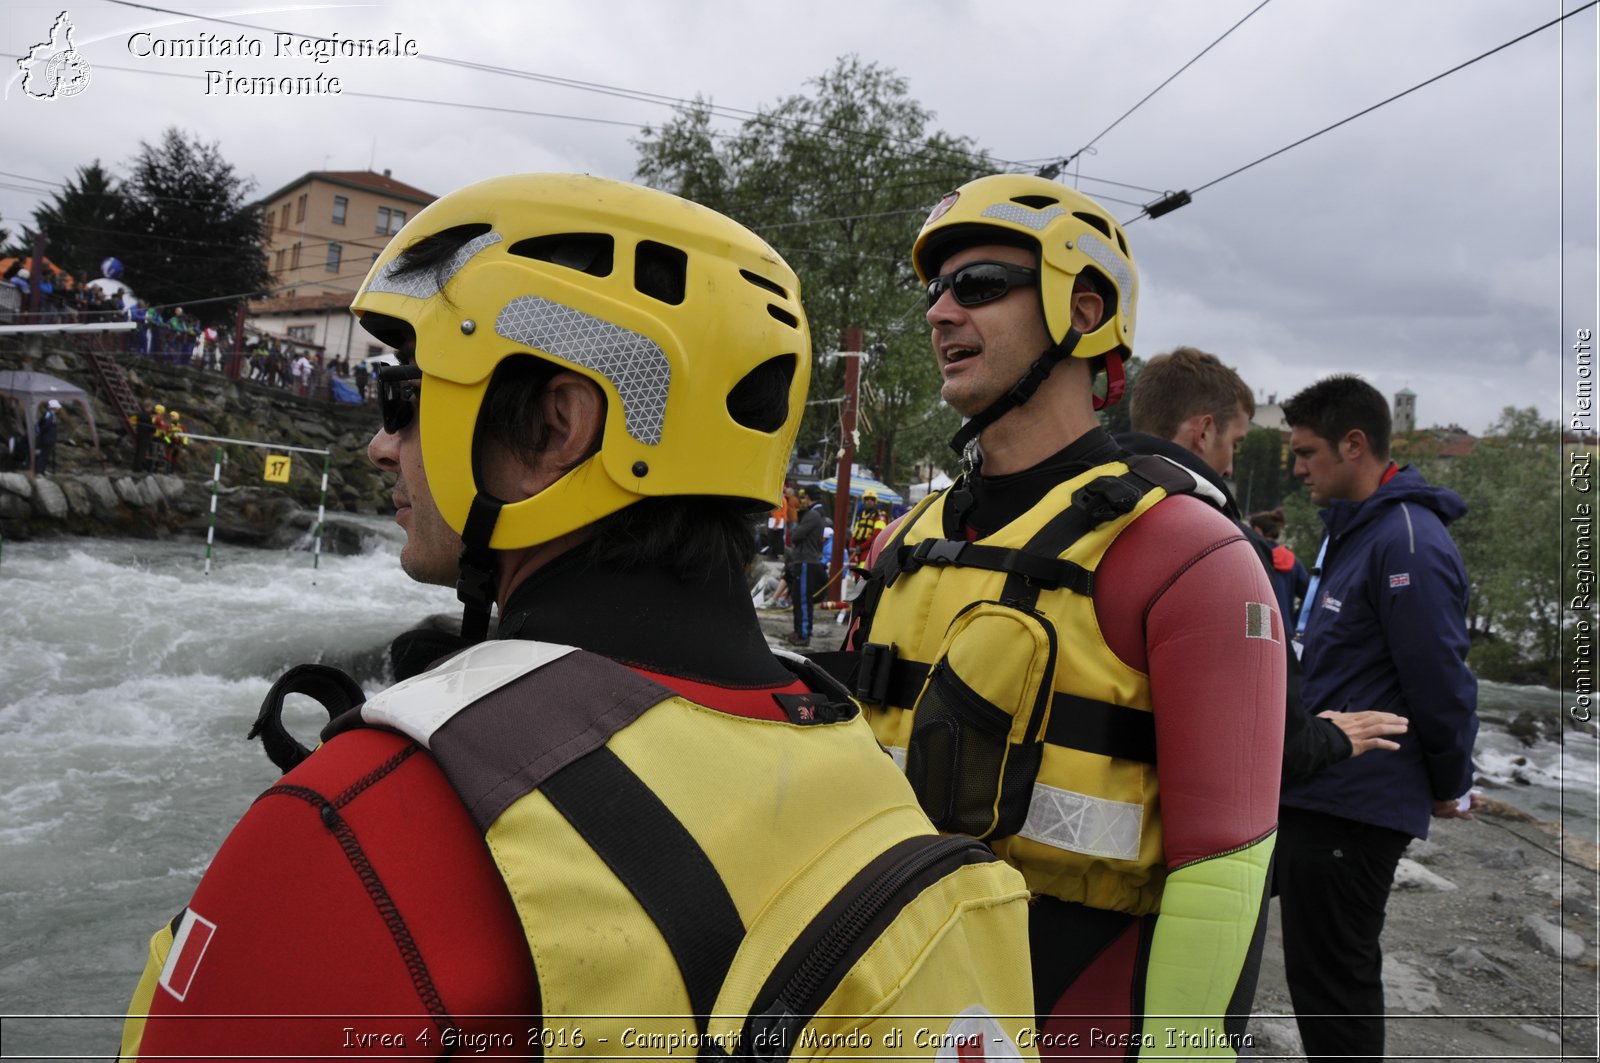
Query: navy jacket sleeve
1421	586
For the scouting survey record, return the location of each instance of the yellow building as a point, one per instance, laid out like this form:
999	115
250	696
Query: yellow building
322	232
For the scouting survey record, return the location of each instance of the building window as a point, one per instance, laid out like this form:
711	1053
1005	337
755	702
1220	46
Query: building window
300	209
303	333
390	221
335	252
294	256
373	350
277	261
340	205
283	217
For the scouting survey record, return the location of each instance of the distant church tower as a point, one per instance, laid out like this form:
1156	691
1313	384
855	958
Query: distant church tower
1405	411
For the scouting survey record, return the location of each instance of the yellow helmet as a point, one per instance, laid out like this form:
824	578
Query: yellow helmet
176	416
682	305
1071	233
160	408
869	495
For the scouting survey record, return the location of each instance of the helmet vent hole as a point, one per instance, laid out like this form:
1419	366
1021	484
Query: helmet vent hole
761	282
589	253
760	401
661	272
1094	220
1122	242
783	315
1036	202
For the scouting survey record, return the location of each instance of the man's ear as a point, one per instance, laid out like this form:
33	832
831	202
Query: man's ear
1354	445
574	414
1088	310
1192	433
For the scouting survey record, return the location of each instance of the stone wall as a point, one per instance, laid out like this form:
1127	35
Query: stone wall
98	493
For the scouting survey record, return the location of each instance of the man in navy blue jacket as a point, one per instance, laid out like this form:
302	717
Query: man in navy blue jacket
1383	627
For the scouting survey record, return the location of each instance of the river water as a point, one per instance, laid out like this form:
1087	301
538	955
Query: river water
128	680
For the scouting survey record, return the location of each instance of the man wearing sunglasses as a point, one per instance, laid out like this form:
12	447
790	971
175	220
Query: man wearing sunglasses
1127	763
625	814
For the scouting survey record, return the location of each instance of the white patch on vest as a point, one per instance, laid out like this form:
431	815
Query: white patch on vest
188	949
975	1034
421	705
1096	826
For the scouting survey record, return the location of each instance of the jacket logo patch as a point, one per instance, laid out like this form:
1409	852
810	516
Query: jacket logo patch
1400	579
974	1035
1258	623
1331	603
188	949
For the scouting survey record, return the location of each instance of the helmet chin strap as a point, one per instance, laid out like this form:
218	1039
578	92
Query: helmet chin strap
475	584
1020	393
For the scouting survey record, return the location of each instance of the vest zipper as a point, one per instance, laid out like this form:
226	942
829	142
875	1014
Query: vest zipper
804	993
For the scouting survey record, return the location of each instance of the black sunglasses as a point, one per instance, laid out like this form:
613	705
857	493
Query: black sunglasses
980	282
397	395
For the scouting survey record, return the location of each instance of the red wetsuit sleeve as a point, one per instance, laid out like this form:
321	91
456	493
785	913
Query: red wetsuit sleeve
1182	597
357	904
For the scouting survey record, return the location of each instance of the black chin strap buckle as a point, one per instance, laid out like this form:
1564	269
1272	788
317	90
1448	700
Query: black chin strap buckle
475	584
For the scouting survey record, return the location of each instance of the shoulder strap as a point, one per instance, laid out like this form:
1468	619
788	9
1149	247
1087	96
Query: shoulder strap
472	713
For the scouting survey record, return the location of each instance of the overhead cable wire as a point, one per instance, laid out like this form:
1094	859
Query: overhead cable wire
639	95
1063	163
1154	210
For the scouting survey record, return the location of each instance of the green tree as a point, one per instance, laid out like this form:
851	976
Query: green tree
838	181
195	238
1510	543
80	222
1258	471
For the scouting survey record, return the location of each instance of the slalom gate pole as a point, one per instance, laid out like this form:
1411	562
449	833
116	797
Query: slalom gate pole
211	528
322	506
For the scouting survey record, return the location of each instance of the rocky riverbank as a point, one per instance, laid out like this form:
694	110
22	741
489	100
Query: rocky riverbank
95	492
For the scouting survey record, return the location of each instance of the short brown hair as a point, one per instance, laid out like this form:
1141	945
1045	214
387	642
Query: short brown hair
1171	388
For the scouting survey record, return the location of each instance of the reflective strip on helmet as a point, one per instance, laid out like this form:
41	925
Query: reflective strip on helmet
1015	212
1105	256
425	283
634	364
1079	823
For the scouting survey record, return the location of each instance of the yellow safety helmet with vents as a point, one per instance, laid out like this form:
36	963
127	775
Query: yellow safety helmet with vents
1071	233
673	306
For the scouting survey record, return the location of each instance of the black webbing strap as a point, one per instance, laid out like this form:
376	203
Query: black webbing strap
1076	722
1044	572
651	852
475	583
1100	500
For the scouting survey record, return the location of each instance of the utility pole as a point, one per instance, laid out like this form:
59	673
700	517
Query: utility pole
850	351
36	278
236	361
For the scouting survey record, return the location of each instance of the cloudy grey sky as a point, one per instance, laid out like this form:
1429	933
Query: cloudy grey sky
1430	244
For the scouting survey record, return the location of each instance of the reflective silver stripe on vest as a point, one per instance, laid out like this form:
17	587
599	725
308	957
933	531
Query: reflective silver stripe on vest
426	283
1015	212
1102	255
419	706
634	364
1096	826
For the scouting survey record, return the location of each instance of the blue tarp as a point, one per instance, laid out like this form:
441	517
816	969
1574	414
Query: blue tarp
344	391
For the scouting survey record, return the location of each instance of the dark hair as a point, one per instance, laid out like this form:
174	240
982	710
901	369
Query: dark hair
1171	388
1337	405
1269	522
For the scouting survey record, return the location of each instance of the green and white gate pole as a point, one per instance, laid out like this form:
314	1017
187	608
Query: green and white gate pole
322	506
327	461
211	529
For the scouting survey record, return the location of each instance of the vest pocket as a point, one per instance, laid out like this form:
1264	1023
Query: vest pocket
978	724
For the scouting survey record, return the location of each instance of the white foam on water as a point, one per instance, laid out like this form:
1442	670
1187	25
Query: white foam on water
128	681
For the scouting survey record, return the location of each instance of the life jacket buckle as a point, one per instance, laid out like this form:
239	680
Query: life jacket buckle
1106	498
935	552
872	677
